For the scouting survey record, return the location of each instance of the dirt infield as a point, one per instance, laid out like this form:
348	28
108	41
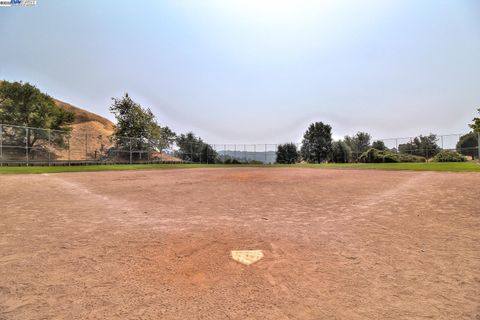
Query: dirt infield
337	244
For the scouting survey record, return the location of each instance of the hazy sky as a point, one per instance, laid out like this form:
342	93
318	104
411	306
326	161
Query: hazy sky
257	70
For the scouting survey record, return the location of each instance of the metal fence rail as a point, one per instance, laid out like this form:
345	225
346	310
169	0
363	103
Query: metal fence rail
21	145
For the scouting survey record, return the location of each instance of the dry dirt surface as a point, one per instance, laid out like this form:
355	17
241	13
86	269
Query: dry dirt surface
337	244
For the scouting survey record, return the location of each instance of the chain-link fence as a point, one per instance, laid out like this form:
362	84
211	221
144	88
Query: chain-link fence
34	146
409	149
25	146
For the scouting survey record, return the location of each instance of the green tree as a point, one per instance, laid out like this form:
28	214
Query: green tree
476	124
358	143
317	143
137	126
341	152
193	149
379	145
424	146
23	104
167	136
287	153
468	145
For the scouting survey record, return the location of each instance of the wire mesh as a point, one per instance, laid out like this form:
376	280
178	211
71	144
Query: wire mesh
25	145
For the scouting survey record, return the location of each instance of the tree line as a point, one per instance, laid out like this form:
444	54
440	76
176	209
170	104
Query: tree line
25	105
318	146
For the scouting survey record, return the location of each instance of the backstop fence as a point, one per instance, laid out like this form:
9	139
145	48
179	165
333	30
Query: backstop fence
35	146
21	145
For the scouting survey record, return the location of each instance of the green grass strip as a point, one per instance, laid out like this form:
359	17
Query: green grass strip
433	166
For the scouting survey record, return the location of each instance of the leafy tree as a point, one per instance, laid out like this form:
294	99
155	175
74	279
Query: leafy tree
468	145
192	148
167	136
476	124
379	145
287	153
23	104
341	152
425	146
358	143
138	127
317	143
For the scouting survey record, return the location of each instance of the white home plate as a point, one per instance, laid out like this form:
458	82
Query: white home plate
246	257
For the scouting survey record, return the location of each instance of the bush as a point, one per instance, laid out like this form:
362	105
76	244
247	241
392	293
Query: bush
341	152
449	156
373	155
231	161
411	158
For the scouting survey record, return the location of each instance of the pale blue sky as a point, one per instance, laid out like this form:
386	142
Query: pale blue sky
257	71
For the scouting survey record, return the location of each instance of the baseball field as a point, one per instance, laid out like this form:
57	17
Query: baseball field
153	244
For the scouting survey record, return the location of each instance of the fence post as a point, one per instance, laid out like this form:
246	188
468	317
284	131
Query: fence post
130	150
265	153
148	153
1	145
49	146
69	138
478	144
191	152
200	154
26	143
86	146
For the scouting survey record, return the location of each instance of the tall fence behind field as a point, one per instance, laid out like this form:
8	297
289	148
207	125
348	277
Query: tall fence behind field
34	146
28	146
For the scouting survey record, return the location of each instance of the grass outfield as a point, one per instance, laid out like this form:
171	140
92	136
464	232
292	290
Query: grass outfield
437	166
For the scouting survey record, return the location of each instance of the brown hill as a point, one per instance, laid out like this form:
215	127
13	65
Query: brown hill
90	134
82	115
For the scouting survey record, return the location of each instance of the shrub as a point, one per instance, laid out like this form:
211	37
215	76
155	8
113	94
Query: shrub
341	152
449	156
373	155
231	161
411	158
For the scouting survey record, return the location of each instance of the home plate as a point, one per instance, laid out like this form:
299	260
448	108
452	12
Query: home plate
246	257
